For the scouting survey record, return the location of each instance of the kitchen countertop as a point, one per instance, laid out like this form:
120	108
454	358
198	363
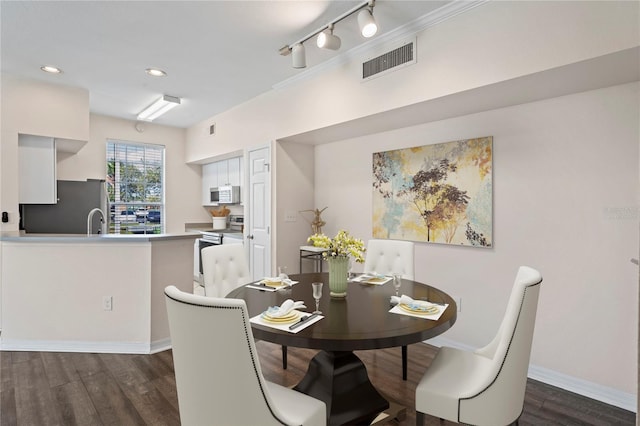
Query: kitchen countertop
206	227
94	238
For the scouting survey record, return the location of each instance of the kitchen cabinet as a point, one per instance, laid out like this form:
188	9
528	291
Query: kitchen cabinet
209	180
37	170
223	173
220	173
234	171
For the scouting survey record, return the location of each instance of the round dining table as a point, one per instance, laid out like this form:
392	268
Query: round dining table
359	321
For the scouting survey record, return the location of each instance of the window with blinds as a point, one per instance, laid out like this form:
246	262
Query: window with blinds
135	185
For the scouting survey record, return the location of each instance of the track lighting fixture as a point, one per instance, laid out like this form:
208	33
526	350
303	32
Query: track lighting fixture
326	39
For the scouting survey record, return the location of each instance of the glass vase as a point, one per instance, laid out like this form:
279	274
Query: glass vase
338	267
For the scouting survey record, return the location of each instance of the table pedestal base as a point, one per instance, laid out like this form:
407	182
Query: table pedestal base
340	380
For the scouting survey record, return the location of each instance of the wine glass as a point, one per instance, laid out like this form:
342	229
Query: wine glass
397	281
317	294
282	272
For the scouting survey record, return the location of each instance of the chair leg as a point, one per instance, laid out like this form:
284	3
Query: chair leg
419	418
404	363
284	357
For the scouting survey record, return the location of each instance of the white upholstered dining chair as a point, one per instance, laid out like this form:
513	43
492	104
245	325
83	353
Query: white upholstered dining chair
487	386
224	268
218	374
389	256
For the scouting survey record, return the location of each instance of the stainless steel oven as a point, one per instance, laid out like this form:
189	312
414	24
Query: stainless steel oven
208	239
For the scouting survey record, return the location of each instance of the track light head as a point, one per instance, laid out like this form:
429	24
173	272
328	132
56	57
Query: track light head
326	39
298	56
367	23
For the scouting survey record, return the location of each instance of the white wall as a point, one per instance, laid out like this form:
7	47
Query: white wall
563	170
294	190
63	112
58	305
171	264
183	182
60	300
35	108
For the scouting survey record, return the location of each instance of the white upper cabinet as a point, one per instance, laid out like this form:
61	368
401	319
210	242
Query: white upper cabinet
223	172
209	180
220	173
235	171
37	170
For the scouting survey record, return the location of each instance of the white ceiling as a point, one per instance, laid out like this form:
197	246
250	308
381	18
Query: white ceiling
217	54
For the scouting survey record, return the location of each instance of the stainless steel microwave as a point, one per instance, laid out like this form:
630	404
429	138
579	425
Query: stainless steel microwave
228	194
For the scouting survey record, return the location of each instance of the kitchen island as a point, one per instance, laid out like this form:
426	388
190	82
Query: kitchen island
98	293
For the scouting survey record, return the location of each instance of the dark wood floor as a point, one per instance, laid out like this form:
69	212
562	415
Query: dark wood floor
41	388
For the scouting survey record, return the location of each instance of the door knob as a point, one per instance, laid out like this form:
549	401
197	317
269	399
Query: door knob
250	237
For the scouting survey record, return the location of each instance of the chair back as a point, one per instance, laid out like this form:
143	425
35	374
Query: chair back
218	375
388	256
509	352
224	268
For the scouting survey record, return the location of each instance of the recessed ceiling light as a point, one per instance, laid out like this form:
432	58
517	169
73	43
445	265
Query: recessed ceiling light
155	72
51	69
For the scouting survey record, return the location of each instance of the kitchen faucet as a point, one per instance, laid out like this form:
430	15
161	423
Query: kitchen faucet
90	216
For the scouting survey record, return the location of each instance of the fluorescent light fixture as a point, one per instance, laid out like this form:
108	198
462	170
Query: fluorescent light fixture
51	69
326	39
298	56
367	23
159	107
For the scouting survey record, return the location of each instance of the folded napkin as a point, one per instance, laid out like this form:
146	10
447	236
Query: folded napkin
406	300
284	309
278	281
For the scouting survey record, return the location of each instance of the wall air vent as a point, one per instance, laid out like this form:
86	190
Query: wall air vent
390	61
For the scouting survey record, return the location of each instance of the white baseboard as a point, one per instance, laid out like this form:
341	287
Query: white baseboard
88	347
582	387
160	345
591	390
74	346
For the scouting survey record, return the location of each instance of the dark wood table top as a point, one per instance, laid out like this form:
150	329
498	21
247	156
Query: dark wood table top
360	321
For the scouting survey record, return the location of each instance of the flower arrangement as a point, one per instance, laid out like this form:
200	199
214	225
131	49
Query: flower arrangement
342	245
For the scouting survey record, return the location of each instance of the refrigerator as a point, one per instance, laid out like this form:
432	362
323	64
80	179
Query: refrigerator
69	216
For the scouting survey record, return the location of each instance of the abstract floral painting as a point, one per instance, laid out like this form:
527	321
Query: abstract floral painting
438	193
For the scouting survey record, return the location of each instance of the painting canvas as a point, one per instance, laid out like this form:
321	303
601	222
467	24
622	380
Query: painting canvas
438	193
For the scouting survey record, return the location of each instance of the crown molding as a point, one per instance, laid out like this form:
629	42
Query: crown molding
410	29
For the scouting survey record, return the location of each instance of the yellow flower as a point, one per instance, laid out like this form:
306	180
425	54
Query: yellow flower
342	245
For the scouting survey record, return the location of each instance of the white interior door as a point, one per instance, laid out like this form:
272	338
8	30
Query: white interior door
259	235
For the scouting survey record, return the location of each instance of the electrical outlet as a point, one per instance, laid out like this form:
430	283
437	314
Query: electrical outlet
290	216
107	303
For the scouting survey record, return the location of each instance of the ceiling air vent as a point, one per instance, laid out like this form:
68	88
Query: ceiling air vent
390	61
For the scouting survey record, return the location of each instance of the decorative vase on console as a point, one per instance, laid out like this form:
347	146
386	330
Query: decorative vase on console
339	249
